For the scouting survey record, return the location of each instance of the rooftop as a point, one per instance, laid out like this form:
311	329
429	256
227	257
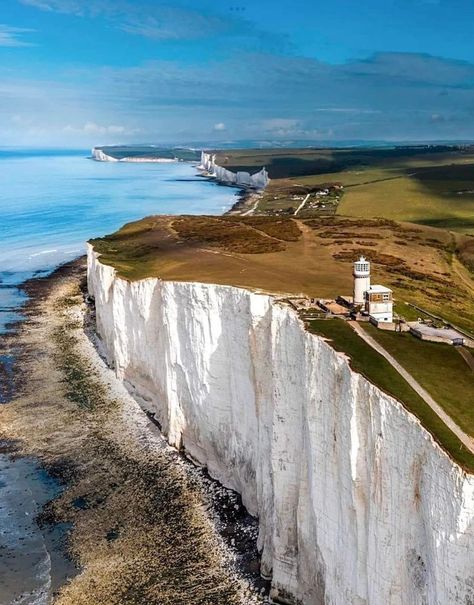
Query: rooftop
378	288
445	333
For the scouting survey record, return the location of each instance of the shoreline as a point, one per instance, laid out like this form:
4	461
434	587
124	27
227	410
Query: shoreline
226	526
245	202
246	197
237	530
34	553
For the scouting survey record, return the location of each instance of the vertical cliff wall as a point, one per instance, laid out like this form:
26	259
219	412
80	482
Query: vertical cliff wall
259	180
357	505
99	155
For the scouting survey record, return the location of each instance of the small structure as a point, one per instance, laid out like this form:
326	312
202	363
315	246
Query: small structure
333	307
345	301
379	303
427	332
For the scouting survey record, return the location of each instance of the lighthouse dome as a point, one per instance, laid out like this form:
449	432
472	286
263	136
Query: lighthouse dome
362	267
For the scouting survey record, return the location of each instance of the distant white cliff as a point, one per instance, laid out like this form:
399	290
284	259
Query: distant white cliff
259	180
98	154
101	156
357	504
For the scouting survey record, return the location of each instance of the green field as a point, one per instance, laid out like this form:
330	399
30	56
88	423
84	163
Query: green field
426	185
407	312
439	195
374	367
452	388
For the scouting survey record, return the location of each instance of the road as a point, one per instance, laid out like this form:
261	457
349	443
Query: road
253	208
300	207
416	386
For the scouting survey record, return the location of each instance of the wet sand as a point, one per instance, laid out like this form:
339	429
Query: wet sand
147	526
32	560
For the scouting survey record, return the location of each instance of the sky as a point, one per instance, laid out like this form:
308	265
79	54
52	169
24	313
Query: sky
77	73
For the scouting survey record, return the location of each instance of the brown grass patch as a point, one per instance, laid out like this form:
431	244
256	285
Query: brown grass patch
465	252
378	258
230	235
280	228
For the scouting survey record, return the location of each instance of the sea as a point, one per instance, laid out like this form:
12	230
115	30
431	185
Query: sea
51	203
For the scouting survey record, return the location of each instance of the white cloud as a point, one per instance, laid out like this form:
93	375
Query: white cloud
245	96
92	128
72	7
12	37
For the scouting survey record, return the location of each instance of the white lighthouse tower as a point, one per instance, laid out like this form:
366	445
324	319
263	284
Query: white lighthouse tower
361	280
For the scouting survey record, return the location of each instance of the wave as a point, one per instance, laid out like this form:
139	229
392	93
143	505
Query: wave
42	252
40	595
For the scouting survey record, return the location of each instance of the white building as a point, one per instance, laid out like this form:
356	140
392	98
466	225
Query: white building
379	303
377	300
361	280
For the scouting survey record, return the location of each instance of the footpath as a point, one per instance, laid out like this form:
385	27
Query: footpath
416	386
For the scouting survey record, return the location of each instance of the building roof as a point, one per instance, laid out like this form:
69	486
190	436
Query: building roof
335	308
445	333
378	288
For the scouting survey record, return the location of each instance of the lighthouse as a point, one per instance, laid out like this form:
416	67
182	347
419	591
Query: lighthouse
361	280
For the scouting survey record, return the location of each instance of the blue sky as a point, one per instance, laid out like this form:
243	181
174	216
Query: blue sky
83	72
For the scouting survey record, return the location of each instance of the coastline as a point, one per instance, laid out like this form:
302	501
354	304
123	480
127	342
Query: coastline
28	462
121	421
247	197
90	432
245	202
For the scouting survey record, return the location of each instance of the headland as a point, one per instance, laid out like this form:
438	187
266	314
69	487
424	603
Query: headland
214	325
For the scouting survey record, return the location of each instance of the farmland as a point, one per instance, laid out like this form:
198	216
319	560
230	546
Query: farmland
427	185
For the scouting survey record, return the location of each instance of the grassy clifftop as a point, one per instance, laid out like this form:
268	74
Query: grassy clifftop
420	245
290	257
452	388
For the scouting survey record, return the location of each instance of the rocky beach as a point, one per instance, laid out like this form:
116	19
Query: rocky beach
144	524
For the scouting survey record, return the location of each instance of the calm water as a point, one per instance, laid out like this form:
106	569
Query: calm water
50	204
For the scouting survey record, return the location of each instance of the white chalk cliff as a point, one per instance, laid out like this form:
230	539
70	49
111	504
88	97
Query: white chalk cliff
259	180
99	155
357	504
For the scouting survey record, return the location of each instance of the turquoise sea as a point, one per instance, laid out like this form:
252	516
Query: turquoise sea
51	202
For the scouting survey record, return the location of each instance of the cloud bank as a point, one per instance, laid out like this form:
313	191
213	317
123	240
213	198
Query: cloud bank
251	84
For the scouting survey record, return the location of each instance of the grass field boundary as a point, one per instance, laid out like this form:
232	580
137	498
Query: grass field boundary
415	385
364	360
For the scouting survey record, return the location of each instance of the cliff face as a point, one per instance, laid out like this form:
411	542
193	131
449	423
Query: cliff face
259	180
357	504
101	156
